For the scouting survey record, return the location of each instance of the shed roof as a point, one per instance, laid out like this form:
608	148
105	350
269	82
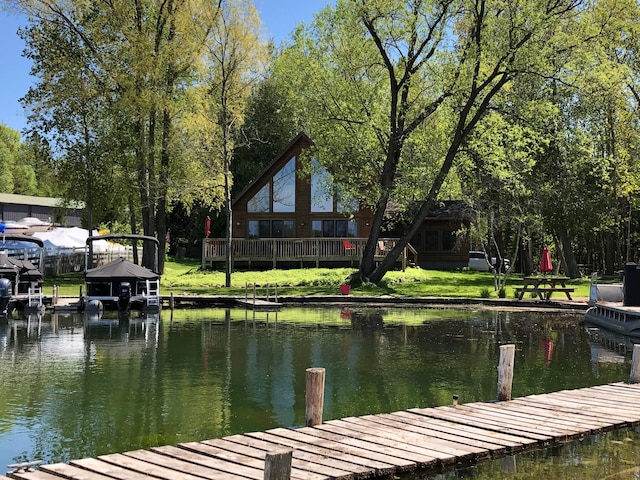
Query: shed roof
14	199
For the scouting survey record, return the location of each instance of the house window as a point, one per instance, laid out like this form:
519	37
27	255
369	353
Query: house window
277	195
334	228
431	240
448	240
261	201
270	229
321	188
284	188
327	197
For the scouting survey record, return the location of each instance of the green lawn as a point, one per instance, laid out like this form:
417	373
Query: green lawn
185	277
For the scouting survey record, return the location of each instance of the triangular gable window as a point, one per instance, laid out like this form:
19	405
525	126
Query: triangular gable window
281	188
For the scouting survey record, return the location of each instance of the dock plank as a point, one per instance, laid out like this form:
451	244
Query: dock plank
140	466
301	442
511	442
113	471
34	475
233	469
237	453
436	451
380	445
72	472
184	466
427	434
307	459
460	416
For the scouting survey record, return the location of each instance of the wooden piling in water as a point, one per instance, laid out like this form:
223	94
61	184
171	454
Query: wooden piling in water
634	377
505	371
314	396
277	465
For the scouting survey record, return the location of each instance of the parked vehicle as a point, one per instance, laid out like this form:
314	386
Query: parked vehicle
479	261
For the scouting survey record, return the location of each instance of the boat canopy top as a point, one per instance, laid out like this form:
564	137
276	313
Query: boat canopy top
120	270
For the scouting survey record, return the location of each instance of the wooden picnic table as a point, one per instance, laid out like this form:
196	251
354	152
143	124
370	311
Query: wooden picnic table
544	286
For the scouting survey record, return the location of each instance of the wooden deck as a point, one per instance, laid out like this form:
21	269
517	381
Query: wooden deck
315	251
377	445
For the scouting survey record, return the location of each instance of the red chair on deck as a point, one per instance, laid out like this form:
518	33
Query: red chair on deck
349	249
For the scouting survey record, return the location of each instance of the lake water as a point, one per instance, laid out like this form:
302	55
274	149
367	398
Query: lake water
72	387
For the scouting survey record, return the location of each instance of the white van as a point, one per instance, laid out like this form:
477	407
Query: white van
479	261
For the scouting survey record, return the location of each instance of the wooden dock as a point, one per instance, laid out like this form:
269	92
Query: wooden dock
258	304
372	446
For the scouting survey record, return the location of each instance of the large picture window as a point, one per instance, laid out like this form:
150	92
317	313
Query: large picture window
270	229
327	197
277	195
261	201
321	188
432	240
448	240
334	228
284	188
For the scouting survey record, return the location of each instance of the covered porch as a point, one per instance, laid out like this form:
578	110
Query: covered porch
300	252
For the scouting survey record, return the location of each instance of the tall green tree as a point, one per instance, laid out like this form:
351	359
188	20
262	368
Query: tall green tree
130	64
374	71
16	174
234	62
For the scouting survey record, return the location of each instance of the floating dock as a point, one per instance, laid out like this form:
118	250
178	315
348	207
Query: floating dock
418	439
257	304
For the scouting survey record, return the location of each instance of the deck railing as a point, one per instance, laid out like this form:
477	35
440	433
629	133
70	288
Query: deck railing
318	251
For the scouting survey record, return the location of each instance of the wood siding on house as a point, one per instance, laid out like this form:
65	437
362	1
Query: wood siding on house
302	218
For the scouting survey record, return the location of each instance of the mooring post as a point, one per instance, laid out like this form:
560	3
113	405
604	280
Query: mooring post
314	396
635	365
277	465
171	302
505	371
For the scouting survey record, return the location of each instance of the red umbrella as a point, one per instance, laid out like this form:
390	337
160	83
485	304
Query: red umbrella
207	226
545	261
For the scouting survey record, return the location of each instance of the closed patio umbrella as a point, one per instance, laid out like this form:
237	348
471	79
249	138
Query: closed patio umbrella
545	261
207	226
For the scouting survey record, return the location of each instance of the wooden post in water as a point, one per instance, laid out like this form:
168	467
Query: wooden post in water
635	365
277	465
172	303
314	396
505	371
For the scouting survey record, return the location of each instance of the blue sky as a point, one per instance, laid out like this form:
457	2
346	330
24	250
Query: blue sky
279	18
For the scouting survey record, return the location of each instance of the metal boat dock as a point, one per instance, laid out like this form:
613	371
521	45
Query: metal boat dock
415	440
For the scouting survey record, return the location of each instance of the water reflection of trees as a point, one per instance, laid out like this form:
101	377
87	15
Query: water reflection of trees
210	374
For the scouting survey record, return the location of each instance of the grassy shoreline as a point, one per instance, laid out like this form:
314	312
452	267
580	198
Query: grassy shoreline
185	277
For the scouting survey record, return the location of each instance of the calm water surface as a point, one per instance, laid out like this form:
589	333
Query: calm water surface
72	387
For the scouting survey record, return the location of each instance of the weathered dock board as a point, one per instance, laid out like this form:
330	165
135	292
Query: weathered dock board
376	445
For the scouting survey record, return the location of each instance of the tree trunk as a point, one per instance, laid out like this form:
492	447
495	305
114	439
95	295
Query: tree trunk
571	266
